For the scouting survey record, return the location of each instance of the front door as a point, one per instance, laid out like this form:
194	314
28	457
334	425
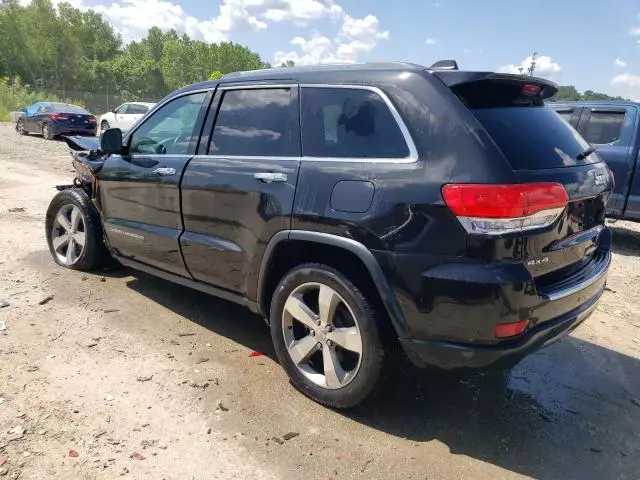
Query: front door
240	191
140	191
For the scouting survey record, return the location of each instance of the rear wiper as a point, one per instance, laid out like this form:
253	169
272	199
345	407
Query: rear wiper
586	153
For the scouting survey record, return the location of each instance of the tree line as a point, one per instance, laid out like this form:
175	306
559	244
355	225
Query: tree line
67	50
569	93
68	53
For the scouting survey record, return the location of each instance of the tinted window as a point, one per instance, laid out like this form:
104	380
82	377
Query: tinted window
349	123
604	127
134	109
122	109
255	122
565	115
169	130
67	108
533	137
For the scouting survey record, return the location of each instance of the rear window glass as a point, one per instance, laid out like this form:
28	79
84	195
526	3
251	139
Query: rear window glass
604	127
67	108
533	137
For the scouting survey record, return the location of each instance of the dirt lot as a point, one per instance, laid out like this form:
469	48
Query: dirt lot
128	371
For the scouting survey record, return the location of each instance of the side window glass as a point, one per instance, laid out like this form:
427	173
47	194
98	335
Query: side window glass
565	115
349	123
253	122
604	127
137	109
122	109
170	130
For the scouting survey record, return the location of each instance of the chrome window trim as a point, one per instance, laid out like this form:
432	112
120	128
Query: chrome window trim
413	151
255	86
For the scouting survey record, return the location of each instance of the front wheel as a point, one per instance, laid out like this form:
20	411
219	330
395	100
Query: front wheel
47	134
326	336
74	231
104	125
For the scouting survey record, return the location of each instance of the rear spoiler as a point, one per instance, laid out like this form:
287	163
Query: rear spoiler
455	79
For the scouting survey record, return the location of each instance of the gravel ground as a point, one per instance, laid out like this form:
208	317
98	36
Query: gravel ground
128	372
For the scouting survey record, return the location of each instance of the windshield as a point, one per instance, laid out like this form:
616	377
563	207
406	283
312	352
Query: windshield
533	137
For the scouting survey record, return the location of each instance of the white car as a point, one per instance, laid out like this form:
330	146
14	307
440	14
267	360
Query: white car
124	116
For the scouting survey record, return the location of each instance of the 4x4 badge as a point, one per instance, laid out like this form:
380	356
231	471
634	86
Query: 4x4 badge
538	261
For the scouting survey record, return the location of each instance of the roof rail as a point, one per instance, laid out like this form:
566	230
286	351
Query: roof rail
445	65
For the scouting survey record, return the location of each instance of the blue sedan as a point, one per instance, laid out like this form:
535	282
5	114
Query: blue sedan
52	119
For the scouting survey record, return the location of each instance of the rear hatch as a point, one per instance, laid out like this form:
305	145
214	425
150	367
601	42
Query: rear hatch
542	149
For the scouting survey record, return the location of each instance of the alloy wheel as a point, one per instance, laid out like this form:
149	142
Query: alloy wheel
322	335
68	236
21	127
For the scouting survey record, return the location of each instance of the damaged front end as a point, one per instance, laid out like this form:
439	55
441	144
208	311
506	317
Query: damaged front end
88	160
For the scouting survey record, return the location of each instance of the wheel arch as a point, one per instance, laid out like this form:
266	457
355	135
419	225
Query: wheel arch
270	275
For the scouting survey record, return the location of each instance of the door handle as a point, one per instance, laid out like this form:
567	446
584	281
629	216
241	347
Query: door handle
165	171
269	177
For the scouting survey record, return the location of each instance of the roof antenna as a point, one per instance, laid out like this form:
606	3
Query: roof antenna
445	65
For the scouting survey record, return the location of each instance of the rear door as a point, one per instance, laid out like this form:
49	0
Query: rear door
240	191
140	191
612	130
134	113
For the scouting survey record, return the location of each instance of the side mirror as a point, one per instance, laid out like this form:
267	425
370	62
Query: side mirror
111	141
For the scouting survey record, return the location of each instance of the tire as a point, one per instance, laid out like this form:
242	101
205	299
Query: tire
82	218
47	134
20	127
354	314
104	125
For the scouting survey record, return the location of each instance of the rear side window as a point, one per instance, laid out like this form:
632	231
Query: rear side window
254	122
533	137
604	127
349	123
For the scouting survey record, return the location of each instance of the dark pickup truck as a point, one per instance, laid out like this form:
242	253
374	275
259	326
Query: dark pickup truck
613	128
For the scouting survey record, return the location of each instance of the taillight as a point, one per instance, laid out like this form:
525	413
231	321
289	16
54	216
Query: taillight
506	330
58	116
92	118
499	209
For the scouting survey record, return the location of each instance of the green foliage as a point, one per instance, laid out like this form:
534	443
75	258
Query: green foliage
216	75
14	97
64	49
569	93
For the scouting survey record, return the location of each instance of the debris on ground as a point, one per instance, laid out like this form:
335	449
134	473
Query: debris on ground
595	450
609	289
148	443
3	326
32	368
3	471
366	464
290	435
220	407
278	440
16	210
203	386
3	400
137	456
145	379
4	303
174	342
201	360
102	279
2	461
45	300
256	354
109	398
186	334
73	453
110	310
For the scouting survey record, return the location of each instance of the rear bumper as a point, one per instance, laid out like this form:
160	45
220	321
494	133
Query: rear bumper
451	355
57	129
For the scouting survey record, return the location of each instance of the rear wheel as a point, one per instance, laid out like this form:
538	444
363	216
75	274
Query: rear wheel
74	231
20	127
325	335
46	132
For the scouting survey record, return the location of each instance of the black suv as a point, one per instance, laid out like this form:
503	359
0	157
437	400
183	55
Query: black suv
355	207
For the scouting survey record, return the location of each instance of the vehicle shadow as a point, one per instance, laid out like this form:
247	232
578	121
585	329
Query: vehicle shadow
571	410
625	240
